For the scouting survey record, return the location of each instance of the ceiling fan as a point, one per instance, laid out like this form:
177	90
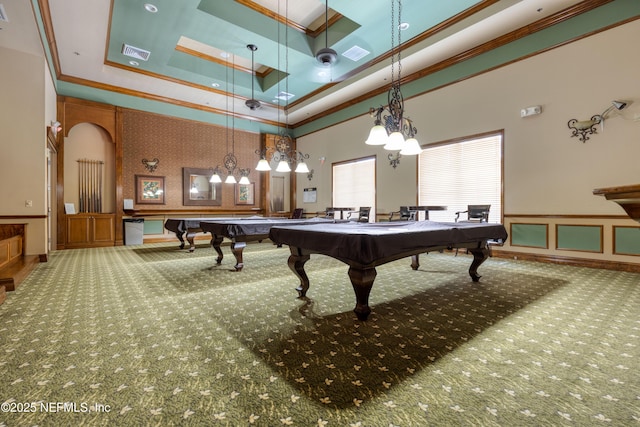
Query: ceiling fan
252	103
326	56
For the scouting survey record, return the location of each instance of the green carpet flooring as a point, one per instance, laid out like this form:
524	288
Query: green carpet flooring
156	336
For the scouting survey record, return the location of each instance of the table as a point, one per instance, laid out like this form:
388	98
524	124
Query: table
363	246
191	226
241	231
342	211
425	209
627	196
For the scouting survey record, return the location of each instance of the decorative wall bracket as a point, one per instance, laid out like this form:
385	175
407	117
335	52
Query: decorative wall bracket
150	165
394	159
583	128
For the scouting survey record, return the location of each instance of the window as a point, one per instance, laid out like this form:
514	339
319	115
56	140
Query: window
460	173
354	185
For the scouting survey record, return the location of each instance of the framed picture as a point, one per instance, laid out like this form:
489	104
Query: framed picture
245	194
150	189
197	190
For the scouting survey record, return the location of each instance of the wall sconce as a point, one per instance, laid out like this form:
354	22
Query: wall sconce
583	128
150	165
394	159
310	175
55	128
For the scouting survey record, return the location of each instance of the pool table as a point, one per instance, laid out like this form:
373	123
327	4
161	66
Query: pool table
191	226
241	231
363	246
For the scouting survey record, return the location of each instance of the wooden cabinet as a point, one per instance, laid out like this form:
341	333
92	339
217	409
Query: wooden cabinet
90	230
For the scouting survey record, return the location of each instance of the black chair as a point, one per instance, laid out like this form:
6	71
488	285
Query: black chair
297	213
363	214
475	213
329	213
404	214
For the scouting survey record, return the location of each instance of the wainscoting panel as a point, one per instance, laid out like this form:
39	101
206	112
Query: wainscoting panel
626	240
153	226
596	241
579	237
531	235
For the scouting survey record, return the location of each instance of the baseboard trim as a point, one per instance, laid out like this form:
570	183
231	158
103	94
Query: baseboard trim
578	262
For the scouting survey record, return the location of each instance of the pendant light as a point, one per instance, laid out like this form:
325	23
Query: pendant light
252	103
283	154
391	128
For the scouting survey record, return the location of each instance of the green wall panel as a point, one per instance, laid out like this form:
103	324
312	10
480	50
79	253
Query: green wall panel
153	226
627	240
534	235
579	237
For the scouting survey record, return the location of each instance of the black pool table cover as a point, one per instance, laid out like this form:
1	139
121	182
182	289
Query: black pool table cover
370	244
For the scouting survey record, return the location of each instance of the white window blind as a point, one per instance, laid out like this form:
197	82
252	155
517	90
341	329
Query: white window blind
461	173
354	185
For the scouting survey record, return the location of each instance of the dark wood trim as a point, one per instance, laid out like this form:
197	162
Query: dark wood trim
269	13
152	97
192	211
119	161
578	262
218	61
61	234
562	216
23	216
45	12
52	143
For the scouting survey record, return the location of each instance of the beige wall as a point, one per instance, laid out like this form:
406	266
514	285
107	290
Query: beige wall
23	163
546	172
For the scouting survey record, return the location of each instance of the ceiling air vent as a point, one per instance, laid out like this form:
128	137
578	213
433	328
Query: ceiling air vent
135	52
356	53
285	96
3	14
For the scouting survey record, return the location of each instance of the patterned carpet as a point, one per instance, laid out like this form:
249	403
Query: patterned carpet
154	336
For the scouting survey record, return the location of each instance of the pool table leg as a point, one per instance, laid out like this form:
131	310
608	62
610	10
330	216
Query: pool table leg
296	262
479	256
190	237
215	242
236	249
362	282
415	261
179	236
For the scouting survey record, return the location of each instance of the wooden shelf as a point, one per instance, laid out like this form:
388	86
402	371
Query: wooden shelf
627	196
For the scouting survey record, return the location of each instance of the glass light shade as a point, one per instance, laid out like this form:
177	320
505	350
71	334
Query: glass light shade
215	178
302	168
192	191
263	165
283	166
411	147
396	142
230	179
244	180
377	136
